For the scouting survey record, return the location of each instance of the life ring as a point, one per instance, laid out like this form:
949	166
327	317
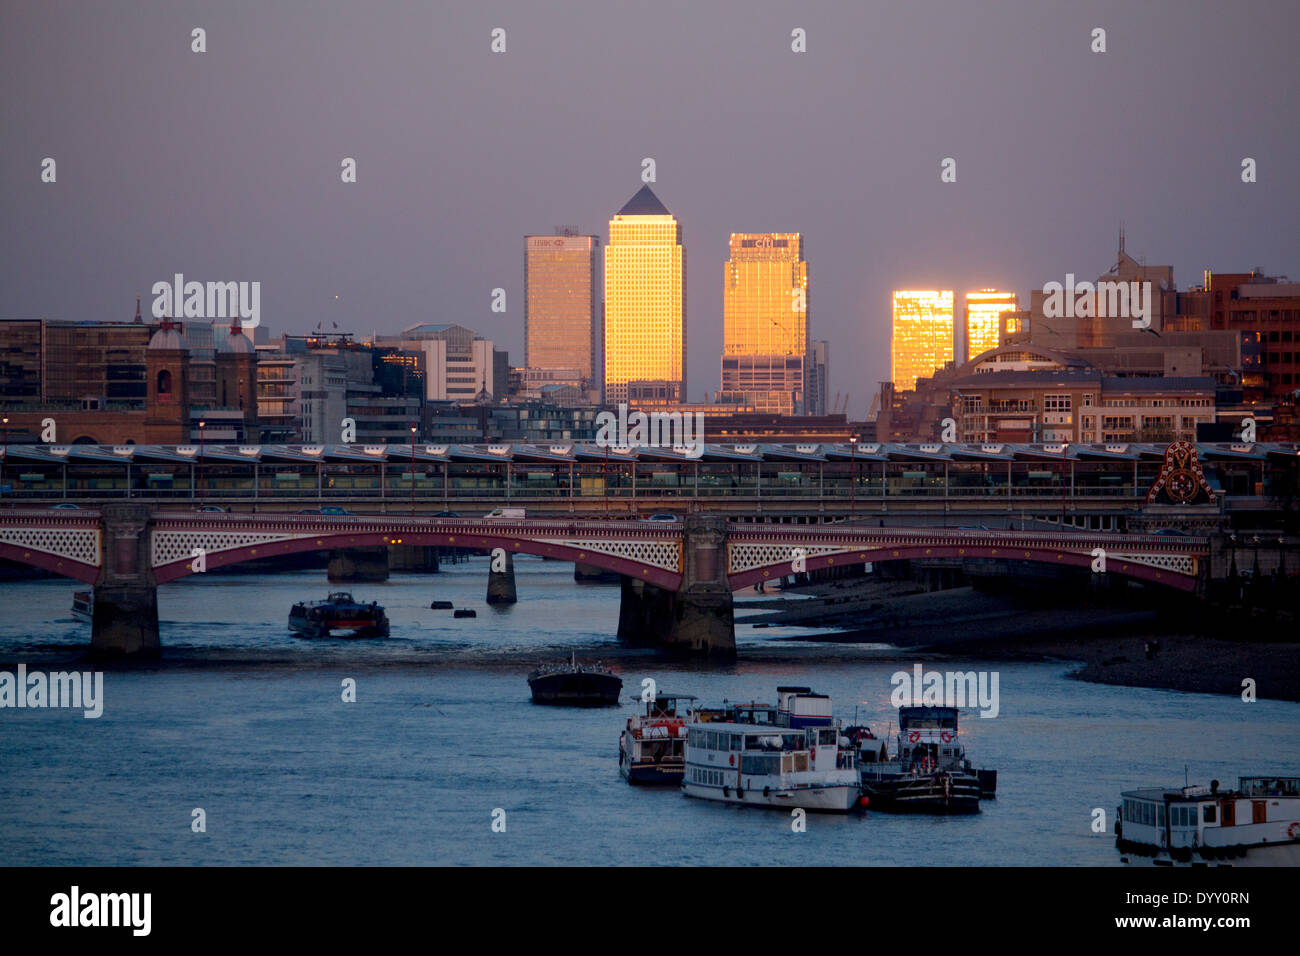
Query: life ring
812	754
946	737
1293	831
731	759
914	736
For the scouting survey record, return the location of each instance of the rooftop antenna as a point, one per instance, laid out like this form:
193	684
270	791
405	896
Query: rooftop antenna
1186	783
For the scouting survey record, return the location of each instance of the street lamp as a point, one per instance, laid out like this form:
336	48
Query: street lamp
412	472
202	425
853	477
607	479
4	444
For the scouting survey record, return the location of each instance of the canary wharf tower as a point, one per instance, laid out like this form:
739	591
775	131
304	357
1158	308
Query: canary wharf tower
645	298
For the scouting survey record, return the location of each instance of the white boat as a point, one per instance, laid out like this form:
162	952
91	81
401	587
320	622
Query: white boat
770	767
1258	824
652	748
83	605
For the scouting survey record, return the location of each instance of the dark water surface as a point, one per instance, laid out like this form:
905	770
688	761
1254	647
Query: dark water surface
247	722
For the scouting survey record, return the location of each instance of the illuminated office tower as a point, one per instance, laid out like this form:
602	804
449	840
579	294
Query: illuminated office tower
562	304
645	298
922	339
983	319
765	323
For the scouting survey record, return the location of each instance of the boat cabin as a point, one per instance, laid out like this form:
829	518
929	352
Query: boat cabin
799	707
672	707
715	751
1259	811
762	715
927	737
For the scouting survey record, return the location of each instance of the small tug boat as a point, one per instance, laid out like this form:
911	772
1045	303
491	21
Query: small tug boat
575	685
652	749
83	605
1258	824
338	616
929	773
787	756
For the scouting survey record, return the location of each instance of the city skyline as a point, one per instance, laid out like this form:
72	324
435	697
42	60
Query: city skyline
433	222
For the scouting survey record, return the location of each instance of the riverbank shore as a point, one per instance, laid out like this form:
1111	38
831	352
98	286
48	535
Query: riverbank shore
1109	640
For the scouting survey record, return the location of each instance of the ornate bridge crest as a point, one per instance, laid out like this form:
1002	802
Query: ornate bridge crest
1181	480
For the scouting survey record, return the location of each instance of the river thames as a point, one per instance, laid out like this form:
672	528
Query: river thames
248	723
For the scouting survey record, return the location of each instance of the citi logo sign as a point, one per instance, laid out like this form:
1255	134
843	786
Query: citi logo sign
208	300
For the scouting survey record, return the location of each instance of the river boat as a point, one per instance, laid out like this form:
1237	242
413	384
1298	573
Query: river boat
652	747
572	684
338	616
1255	824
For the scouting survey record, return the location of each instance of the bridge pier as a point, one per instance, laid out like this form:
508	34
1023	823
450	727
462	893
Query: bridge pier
644	613
358	564
590	574
703	616
125	621
501	584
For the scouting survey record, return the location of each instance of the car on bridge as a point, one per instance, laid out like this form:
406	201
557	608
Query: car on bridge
334	510
65	506
661	517
206	509
506	513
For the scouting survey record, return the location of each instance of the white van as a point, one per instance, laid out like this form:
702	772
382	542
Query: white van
506	513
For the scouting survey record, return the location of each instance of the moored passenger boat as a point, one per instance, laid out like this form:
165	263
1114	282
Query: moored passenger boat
338	616
1258	824
762	766
83	605
929	773
652	748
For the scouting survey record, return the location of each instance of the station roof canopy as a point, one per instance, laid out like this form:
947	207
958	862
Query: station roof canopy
568	451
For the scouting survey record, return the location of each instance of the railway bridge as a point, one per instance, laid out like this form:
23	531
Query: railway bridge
678	576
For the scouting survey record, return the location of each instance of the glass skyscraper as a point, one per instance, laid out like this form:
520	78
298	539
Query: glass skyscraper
765	322
562	305
921	341
645	298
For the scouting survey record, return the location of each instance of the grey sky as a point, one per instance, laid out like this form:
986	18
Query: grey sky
225	165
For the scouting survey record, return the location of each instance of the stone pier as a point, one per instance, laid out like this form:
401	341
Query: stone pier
126	598
590	574
358	564
703	618
501	584
644	613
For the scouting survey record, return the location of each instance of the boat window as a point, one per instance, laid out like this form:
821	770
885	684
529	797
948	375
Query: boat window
1160	814
826	737
1208	814
757	763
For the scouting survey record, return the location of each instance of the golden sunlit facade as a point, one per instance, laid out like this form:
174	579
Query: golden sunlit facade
921	341
765	322
645	298
984	318
561	304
